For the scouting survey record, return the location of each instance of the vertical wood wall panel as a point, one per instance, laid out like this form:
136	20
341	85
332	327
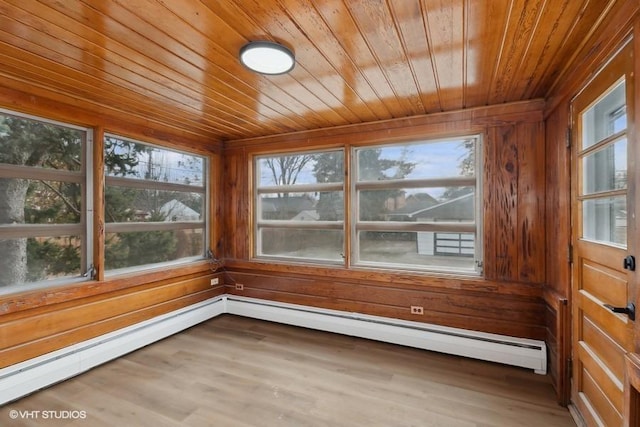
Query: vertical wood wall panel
235	206
558	235
531	202
502	187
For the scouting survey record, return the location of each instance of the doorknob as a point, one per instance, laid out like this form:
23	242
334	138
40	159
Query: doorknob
629	310
629	263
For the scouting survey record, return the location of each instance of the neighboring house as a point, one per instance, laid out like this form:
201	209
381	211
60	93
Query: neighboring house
285	207
454	244
411	205
458	209
178	211
307	215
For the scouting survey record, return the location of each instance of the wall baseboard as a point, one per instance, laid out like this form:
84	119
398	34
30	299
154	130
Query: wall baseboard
27	377
503	349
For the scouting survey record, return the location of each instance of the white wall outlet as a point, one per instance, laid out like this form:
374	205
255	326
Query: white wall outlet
214	281
416	309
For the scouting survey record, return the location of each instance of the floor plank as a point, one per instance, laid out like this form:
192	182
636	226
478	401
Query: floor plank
234	371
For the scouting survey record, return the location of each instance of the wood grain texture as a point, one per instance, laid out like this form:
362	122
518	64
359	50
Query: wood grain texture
514	205
29	333
243	372
558	340
98	203
507	315
598	44
177	65
27	300
514	231
632	390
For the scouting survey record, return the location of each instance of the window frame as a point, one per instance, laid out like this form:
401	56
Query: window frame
444	227
84	229
351	224
258	223
585	198
138	226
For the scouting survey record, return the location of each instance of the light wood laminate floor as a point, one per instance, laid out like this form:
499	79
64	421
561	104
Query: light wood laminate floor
233	371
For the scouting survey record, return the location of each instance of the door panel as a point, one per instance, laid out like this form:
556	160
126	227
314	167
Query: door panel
604	347
600	181
609	414
604	283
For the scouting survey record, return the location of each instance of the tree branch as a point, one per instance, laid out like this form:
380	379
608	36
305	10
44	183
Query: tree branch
64	199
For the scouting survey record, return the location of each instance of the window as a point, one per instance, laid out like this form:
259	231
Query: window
603	156
412	205
44	200
299	211
415	205
155	204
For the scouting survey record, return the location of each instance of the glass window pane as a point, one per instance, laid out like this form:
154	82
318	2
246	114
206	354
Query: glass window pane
308	168
29	142
144	248
40	202
422	204
606	117
606	169
446	251
45	152
320	206
141	161
417	160
321	245
46	258
123	204
605	220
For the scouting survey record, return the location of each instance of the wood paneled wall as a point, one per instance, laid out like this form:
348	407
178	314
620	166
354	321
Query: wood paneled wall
508	300
558	220
617	26
37	322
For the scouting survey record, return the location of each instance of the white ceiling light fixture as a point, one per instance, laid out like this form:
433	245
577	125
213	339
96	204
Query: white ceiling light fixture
266	57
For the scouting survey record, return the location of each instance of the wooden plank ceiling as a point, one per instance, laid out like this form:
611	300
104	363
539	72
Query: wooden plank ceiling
176	62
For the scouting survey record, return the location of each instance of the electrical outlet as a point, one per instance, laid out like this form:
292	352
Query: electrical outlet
239	286
416	309
214	281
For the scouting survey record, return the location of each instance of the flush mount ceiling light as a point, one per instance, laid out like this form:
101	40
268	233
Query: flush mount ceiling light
267	57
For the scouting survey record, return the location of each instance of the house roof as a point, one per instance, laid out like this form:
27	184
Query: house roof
416	202
289	204
460	208
175	210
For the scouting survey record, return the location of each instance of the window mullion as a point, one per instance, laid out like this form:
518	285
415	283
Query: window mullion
456	227
39	173
18	231
461	181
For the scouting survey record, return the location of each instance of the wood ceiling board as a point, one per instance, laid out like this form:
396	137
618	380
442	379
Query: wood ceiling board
357	61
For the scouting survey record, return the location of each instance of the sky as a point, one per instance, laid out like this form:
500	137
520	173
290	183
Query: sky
436	159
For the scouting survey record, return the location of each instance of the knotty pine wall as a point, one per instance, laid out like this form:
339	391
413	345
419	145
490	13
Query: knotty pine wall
37	322
622	23
507	300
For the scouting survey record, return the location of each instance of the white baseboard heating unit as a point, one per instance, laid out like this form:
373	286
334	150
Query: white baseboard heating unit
26	377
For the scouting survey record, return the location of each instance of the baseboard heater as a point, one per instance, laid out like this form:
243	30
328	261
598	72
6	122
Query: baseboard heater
29	376
26	377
